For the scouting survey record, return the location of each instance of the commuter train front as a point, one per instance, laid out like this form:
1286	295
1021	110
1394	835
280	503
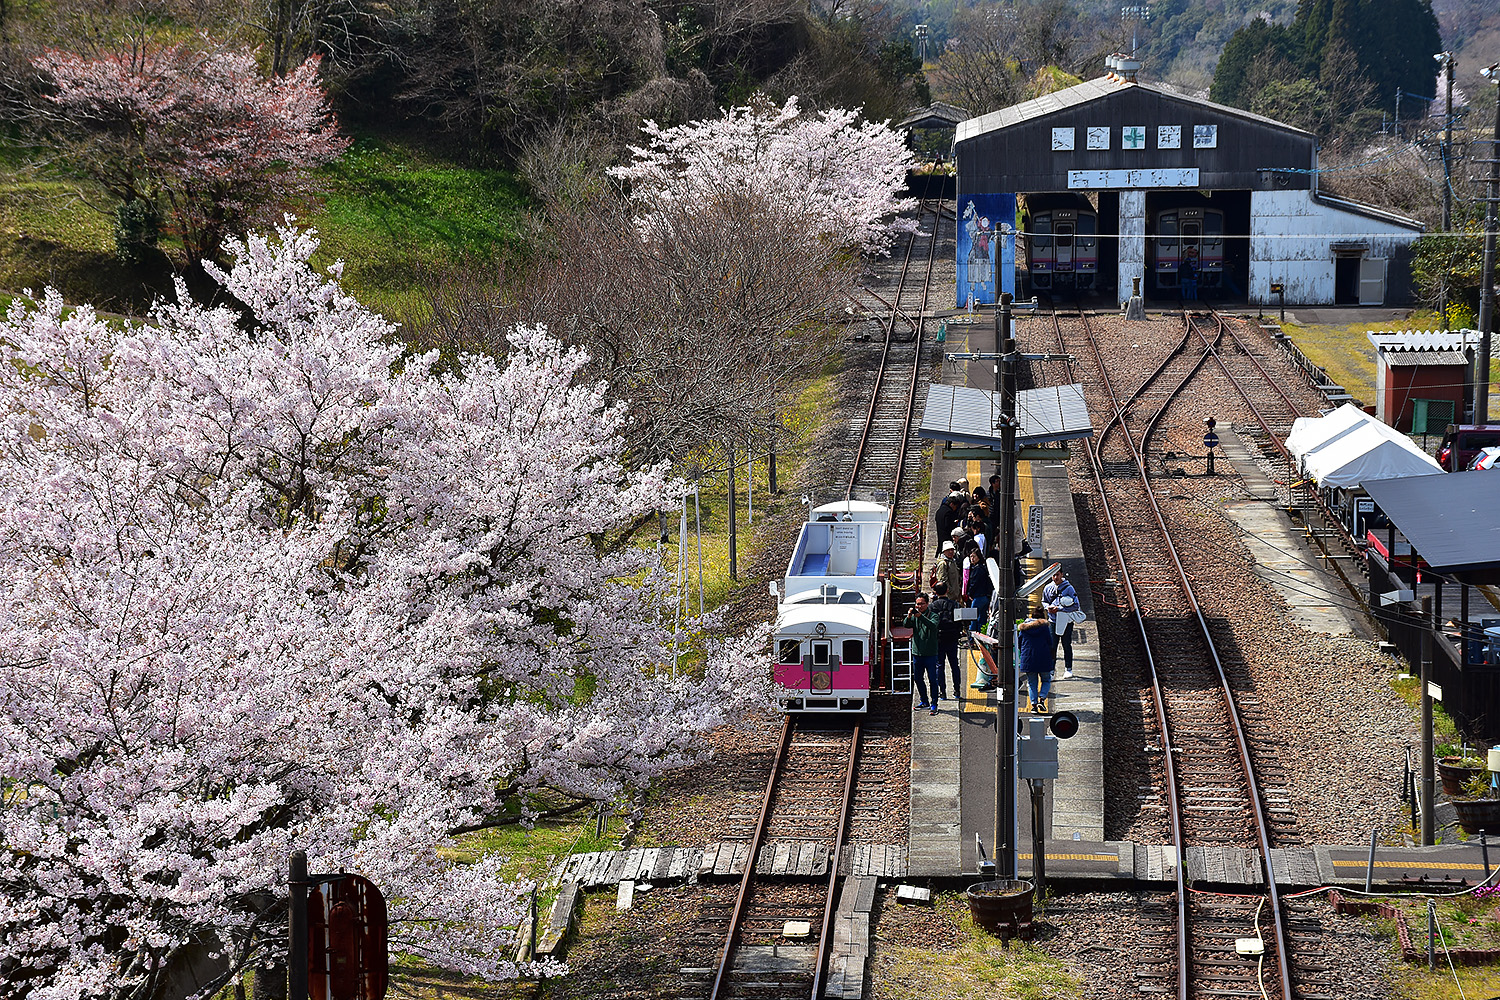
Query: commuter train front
830	617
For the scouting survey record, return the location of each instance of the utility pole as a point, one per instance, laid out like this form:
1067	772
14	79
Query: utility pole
1446	60
1487	275
1005	773
1429	822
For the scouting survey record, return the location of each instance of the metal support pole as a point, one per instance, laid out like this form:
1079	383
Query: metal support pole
1370	865
1038	845
1431	933
734	572
1005	783
1484	854
1210	461
1487	284
296	958
1428	821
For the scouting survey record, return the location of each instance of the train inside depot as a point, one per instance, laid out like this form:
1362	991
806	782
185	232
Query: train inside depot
832	609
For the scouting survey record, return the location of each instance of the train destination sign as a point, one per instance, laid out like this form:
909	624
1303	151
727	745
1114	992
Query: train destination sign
1138	177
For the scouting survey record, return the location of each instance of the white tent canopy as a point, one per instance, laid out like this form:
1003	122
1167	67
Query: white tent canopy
1365	454
1312	433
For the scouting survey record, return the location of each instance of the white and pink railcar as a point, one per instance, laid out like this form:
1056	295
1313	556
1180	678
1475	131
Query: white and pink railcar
832	612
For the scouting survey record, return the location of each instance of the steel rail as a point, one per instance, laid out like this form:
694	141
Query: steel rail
1096	463
731	937
820	959
1237	725
890	329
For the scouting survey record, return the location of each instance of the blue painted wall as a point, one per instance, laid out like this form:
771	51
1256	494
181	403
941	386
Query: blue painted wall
986	247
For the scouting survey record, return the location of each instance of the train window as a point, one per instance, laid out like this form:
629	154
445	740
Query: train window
854	651
1213	223
821	653
790	651
1168	225
1087	225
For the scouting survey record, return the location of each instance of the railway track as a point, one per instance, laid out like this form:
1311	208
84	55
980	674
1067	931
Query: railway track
1210	785
828	777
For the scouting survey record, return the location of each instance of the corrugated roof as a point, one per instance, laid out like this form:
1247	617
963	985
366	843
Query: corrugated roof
1086	92
1452	520
972	416
1414	359
1422	340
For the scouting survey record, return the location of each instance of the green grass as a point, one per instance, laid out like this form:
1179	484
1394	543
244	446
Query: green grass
974	965
397	217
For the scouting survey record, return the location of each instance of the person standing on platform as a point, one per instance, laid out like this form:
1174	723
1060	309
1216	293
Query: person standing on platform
946	518
924	651
1034	649
947	570
1061	601
980	588
948	632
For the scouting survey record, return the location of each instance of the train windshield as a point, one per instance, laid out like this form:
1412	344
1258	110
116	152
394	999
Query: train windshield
789	651
1087	225
1169	225
1064	235
1043	233
854	651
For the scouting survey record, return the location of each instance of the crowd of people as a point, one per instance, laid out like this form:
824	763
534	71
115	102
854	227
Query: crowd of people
960	578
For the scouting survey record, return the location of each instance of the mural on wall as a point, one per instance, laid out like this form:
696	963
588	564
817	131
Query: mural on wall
986	247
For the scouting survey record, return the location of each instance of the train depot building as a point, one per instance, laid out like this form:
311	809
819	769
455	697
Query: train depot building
1113	180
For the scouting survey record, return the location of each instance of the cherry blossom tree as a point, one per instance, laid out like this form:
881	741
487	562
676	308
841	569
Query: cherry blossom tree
200	137
272	582
843	174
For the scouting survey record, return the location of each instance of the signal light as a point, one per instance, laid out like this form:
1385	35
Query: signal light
1064	725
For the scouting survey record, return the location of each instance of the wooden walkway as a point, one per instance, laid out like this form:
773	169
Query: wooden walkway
725	860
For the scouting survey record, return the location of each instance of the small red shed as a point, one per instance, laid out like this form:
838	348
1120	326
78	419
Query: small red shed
1421	377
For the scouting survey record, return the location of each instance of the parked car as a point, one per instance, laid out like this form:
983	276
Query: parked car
1488	458
1462	443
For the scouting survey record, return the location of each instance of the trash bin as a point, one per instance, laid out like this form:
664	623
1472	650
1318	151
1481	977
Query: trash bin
1002	906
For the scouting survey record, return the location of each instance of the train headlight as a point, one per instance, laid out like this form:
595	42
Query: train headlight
821	629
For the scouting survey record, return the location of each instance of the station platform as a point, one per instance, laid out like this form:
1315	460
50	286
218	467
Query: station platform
953	755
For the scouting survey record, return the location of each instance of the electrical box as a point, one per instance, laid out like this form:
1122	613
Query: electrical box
1037	751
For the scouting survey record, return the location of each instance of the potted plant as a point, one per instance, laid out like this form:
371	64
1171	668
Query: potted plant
1476	808
1457	769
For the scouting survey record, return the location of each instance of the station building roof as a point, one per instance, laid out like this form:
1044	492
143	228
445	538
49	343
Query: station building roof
965	415
1113	133
1452	519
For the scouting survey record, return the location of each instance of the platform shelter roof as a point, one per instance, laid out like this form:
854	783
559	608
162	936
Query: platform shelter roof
935	115
966	415
1451	519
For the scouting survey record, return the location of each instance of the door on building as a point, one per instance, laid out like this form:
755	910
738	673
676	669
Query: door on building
1372	281
1346	280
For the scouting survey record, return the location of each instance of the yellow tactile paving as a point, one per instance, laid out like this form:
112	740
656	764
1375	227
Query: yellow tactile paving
1409	864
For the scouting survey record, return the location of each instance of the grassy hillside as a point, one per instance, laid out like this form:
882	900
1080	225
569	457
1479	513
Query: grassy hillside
396	215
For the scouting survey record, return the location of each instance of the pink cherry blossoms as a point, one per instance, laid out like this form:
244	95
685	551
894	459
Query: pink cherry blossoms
202	136
272	583
825	166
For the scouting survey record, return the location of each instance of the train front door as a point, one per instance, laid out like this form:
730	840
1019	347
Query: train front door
1064	239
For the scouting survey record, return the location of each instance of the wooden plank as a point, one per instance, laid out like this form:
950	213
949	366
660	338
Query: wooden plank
616	866
710	859
631	865
649	857
740	860
805	857
588	868
625	896
681	858
821	854
866	899
561	922
783	854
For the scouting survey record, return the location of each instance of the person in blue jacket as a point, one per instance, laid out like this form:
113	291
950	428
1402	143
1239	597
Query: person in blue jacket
1037	660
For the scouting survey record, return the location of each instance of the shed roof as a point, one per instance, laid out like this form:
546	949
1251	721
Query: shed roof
972	416
1422	340
1412	359
935	115
1087	92
1452	520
